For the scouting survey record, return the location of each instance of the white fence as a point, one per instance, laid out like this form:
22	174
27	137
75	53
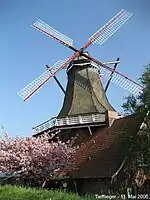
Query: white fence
70	121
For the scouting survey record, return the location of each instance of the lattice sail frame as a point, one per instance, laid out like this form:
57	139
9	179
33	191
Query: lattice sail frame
101	36
117	79
48	30
35	85
106	31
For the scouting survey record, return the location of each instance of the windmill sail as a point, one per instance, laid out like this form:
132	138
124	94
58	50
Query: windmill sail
120	80
51	32
102	35
36	84
105	32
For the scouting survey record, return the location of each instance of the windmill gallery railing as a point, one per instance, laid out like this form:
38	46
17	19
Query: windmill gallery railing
80	120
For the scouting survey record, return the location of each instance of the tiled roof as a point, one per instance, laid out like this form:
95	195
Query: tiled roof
102	156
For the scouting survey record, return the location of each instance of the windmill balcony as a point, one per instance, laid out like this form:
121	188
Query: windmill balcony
72	121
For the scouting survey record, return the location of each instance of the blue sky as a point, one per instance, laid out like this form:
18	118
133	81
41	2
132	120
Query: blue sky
25	52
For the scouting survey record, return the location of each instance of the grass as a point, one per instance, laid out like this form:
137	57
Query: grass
8	192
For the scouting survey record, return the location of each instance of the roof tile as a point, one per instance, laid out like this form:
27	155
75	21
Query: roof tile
103	157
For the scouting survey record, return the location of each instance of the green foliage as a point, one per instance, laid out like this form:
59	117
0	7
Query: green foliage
145	79
140	154
140	103
130	106
21	193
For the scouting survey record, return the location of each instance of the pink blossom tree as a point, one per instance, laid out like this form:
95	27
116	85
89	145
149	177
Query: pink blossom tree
34	159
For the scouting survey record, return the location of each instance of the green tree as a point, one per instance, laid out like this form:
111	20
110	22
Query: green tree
139	158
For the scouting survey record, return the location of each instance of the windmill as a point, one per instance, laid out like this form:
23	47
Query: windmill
82	71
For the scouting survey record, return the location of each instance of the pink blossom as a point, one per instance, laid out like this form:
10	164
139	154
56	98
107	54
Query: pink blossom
34	158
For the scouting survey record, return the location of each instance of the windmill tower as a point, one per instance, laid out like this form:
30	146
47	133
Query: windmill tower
84	93
85	106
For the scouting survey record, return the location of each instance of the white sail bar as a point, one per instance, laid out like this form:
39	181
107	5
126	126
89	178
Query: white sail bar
111	62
